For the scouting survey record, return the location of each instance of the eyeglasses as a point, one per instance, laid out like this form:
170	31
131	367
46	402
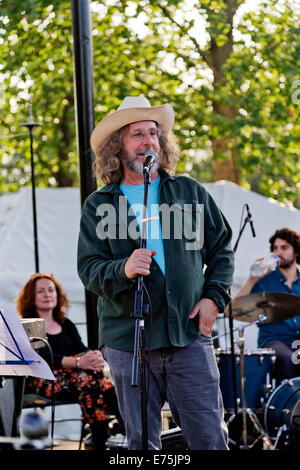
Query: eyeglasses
139	134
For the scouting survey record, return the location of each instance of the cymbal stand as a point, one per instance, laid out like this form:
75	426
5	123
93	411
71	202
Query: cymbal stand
242	376
230	319
248	412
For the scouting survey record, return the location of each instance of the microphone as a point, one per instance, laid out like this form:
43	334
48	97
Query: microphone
150	158
250	220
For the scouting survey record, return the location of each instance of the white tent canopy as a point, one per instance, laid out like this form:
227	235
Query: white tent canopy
58	215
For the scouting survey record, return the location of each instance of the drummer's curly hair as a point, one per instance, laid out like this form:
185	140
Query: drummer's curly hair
289	235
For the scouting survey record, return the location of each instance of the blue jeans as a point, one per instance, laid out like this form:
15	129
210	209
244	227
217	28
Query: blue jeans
188	379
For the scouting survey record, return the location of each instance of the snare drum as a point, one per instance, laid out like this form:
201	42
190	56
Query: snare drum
283	408
259	365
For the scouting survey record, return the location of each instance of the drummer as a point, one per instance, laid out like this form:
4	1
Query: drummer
285	243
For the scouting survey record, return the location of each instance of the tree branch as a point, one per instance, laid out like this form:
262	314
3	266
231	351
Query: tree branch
185	31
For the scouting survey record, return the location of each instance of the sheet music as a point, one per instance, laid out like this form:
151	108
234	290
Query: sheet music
15	349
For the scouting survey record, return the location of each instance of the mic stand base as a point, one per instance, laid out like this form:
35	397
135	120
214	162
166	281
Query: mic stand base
140	352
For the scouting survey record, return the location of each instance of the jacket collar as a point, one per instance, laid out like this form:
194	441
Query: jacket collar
114	188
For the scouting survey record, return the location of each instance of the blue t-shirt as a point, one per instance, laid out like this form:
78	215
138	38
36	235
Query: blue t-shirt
287	330
135	197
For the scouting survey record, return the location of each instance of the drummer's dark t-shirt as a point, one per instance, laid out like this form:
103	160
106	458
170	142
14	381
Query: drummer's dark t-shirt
287	330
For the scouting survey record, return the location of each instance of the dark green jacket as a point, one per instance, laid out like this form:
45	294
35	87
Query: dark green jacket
101	264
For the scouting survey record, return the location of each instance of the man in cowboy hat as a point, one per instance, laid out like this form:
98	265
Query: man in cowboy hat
184	300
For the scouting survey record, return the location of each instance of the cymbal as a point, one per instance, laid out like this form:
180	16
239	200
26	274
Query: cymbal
276	306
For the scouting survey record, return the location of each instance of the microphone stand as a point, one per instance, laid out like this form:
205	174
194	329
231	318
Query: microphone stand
141	310
230	317
30	126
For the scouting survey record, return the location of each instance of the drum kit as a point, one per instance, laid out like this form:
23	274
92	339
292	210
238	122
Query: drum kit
259	413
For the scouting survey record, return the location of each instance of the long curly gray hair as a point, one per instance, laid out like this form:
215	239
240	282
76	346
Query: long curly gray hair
107	166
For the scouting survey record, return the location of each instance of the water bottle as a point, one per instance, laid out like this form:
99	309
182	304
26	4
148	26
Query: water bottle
261	267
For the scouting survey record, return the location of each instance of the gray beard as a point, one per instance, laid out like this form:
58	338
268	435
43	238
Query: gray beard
137	166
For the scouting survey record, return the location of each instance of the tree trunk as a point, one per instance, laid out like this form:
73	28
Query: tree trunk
224	167
63	177
224	164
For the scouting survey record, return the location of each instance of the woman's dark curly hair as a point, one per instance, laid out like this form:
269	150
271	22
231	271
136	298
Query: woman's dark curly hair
26	299
290	236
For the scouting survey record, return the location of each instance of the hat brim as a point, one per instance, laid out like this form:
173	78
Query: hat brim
163	115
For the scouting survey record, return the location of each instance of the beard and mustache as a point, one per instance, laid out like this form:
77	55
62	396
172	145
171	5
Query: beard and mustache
136	165
286	263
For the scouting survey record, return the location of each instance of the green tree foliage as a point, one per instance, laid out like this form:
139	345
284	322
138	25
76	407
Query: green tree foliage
230	77
37	62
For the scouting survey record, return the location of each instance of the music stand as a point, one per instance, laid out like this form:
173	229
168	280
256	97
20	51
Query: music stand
20	360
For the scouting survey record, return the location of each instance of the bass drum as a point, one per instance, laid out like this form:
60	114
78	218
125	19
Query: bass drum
282	411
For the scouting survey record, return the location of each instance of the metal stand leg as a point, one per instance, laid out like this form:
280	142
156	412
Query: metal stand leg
243	375
263	435
281	430
248	412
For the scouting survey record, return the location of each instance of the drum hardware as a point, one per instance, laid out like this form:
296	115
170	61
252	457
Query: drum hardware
282	410
281	431
270	384
267	390
262	360
282	414
242	362
262	318
247	411
259	369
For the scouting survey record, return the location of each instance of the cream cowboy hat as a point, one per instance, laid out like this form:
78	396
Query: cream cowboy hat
132	109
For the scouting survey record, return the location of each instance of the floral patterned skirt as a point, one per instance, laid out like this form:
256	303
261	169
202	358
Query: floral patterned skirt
93	391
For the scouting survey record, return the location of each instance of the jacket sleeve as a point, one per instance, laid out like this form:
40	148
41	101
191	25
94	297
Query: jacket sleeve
99	272
218	255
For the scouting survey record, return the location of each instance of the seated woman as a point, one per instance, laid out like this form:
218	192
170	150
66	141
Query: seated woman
78	371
